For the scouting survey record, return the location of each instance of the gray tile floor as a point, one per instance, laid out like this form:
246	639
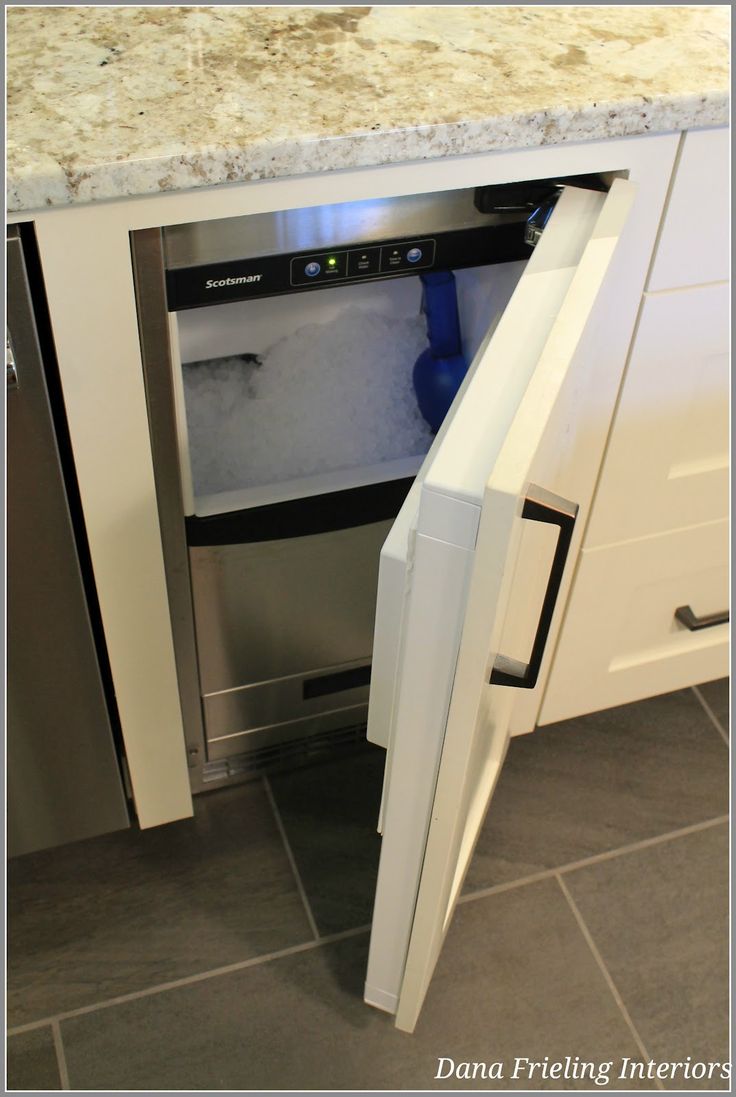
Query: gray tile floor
228	951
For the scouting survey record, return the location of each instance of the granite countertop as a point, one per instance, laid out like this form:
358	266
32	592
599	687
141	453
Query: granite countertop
111	102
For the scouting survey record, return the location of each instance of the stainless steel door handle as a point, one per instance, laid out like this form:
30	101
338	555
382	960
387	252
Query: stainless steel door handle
11	371
540	506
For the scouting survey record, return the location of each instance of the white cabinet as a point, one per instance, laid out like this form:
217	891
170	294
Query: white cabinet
621	639
465	570
657	538
86	257
694	245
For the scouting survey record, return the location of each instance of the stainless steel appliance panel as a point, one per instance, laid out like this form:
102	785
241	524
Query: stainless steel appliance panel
277	609
64	781
316	227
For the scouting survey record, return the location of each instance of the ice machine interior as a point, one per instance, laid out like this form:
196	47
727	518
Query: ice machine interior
295	435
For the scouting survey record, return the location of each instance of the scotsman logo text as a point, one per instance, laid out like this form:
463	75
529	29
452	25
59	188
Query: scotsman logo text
213	283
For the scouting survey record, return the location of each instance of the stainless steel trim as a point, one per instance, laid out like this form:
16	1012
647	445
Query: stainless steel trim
318	227
148	270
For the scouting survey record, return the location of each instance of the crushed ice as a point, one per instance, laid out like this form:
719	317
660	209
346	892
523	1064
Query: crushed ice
329	396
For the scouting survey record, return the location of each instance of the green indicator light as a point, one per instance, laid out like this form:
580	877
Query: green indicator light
331	262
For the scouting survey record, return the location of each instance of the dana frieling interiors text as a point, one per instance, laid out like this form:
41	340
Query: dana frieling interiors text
572	1067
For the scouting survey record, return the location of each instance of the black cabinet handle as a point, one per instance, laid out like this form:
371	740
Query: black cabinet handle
686	617
540	506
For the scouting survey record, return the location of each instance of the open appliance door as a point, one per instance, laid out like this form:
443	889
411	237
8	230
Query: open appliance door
456	587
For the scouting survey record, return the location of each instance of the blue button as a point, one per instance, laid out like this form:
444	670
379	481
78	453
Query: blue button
414	255
312	269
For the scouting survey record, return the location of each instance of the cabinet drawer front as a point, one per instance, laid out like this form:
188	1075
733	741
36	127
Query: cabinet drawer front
621	641
694	245
667	462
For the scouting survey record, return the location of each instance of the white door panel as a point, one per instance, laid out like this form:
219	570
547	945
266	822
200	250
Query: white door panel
514	427
430	646
457	466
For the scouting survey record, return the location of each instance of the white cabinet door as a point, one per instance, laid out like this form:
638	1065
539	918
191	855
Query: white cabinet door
454	589
667	460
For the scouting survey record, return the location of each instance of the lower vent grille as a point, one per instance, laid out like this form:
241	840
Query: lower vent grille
288	755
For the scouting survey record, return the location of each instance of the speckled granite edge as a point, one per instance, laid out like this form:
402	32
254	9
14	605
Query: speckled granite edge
48	184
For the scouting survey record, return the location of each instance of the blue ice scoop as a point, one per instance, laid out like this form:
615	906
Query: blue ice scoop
439	370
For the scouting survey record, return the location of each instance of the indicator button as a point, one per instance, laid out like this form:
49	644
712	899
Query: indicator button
326	266
411	254
364	261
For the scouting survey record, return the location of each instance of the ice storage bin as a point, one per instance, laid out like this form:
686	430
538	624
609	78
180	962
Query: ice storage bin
291	396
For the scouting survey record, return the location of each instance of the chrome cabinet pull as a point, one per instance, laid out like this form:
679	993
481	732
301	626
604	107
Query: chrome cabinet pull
11	371
686	617
540	506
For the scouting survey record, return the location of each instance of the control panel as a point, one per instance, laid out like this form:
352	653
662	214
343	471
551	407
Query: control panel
334	266
213	283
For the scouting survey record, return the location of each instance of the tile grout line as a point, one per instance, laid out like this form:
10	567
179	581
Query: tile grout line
187	980
711	714
508	885
596	858
291	858
60	1055
306	946
606	975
